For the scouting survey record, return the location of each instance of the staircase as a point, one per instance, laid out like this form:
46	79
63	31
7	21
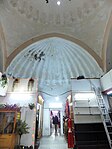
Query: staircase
105	116
90	136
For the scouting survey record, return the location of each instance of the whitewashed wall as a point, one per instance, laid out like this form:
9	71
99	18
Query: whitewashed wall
29	116
21	99
106	81
85	84
46	122
3	91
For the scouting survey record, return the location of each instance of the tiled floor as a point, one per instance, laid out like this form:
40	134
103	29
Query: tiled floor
55	141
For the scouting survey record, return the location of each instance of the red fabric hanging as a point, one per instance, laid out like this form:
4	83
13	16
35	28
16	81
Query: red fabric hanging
70	134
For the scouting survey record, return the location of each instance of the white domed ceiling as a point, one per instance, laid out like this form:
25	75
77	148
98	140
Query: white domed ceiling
54	61
85	20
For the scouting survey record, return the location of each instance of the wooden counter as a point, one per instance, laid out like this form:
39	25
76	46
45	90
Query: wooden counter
8	141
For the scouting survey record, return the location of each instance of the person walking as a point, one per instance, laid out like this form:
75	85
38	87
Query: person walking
55	122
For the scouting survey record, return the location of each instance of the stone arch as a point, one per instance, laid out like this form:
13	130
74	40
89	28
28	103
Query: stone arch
3	52
106	42
41	37
109	52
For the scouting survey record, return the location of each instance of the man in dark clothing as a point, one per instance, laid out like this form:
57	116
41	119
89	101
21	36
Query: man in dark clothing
55	122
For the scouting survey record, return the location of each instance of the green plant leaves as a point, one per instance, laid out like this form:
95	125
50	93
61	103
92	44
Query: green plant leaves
3	81
22	127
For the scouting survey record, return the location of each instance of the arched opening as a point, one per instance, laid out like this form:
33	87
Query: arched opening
63	36
15	84
30	84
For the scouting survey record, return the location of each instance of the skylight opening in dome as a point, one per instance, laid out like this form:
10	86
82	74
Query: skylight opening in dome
58	3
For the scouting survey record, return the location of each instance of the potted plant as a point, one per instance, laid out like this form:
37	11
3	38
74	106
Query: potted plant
21	128
3	80
31	105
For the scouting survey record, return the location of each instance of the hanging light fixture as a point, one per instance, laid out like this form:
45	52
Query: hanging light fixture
47	1
58	3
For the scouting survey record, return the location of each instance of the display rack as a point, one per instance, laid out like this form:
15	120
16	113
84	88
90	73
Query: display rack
8	136
85	105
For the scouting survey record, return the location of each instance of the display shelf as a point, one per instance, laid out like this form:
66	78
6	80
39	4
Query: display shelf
8	137
86	107
86	110
86	114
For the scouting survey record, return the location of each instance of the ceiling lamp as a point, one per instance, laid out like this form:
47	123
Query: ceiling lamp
58	3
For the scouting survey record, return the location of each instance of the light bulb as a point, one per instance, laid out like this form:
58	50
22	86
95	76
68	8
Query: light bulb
58	3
